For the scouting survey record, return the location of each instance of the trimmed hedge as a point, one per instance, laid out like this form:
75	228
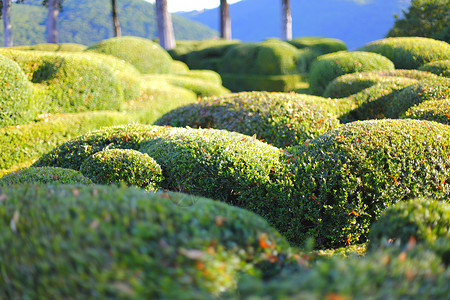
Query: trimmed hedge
280	119
439	67
146	55
72	83
409	52
269	83
426	90
130	167
108	242
191	52
330	66
346	177
44	175
16	95
63	47
438	111
422	220
353	83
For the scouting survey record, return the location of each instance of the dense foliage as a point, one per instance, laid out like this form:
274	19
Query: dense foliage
439	67
44	175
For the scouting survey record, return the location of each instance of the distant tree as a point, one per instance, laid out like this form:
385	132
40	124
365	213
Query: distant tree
54	7
7	26
425	18
165	27
225	21
286	24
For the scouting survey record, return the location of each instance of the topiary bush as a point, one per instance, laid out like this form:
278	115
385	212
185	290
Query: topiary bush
16	100
127	166
330	66
146	55
439	67
426	90
409	52
72	83
438	111
63	47
423	220
108	242
280	119
346	177
349	84
44	175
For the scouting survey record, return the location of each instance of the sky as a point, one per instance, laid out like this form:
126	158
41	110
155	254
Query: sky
189	5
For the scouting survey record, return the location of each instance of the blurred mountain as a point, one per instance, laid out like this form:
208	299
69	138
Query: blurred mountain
88	22
356	22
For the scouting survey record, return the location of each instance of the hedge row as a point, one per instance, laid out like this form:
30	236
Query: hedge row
438	111
63	47
409	52
331	188
280	119
330	66
353	83
73	241
439	67
44	175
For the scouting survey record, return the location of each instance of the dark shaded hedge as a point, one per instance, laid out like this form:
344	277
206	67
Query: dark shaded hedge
409	52
16	95
330	66
254	82
146	55
280	119
127	166
107	242
353	83
438	111
71	82
346	177
45	175
416	220
440	67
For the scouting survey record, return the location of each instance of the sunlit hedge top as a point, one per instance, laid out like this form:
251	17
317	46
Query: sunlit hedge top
45	175
63	47
144	54
330	66
439	67
410	52
320	44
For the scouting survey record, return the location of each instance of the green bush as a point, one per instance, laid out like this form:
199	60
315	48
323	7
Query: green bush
107	242
73	83
206	75
63	47
373	102
409	52
353	83
266	58
145	55
16	101
426	90
280	119
422	220
438	111
179	67
346	177
207	55
122	166
269	83
44	175
330	66
439	67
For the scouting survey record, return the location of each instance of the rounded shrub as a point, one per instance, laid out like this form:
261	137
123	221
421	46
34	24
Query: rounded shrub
146	55
44	175
439	67
280	119
409	52
330	66
438	111
353	83
423	220
74	152
124	243
63	47
72	83
16	100
205	54
426	90
127	166
346	177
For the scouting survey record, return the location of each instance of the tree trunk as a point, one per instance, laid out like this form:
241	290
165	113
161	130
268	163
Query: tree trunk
286	30
165	27
52	21
7	26
117	30
225	21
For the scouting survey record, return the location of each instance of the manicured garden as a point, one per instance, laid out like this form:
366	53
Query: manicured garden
225	170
